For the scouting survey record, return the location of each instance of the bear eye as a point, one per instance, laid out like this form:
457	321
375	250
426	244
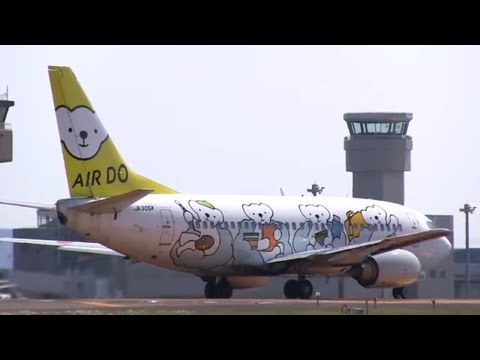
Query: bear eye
96	131
310	214
265	212
253	213
199	209
70	130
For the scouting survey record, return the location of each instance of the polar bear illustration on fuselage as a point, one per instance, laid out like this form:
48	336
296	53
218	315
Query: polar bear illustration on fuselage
363	224
203	247
260	234
314	233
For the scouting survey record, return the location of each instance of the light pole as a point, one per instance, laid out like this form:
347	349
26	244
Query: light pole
467	209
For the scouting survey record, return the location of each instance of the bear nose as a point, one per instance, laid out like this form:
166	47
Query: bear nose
83	134
317	216
207	215
261	215
376	217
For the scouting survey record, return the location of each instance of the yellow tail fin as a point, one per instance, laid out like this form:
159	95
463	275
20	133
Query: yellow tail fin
93	164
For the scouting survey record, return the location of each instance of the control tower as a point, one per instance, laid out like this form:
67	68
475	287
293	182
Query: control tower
6	136
378	153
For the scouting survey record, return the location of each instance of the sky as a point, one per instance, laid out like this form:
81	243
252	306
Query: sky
250	119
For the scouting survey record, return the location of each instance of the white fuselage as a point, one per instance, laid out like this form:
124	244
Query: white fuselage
237	235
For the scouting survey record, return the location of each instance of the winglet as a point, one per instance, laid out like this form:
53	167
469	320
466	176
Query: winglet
114	204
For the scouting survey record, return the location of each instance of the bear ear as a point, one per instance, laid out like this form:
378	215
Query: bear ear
263	204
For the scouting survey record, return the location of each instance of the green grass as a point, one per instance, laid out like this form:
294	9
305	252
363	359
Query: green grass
260	311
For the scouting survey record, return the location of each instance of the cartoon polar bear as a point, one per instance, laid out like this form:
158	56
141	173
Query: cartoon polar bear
376	216
81	132
268	233
369	220
304	239
206	240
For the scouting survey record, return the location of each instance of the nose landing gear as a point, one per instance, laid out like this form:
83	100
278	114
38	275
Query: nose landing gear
298	289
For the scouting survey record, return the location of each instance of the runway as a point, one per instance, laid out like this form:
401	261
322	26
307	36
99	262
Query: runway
237	306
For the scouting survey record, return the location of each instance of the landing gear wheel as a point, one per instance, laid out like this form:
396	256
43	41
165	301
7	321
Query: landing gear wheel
305	289
290	289
399	293
223	290
220	290
210	290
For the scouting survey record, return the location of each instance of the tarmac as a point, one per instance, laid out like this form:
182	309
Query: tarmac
201	306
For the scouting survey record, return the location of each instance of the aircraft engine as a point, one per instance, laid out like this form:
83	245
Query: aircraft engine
247	282
396	268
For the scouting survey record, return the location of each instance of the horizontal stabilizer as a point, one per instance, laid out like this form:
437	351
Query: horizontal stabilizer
113	204
75	246
28	205
355	254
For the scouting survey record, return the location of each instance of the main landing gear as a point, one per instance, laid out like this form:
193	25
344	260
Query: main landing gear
220	289
298	289
399	293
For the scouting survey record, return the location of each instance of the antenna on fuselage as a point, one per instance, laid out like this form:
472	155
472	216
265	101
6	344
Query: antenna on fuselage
315	189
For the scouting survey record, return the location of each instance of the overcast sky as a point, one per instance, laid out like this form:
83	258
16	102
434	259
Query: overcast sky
249	119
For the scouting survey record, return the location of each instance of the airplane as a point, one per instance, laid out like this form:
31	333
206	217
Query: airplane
229	241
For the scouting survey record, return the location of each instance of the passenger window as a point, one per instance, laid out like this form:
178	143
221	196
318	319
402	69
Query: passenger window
443	274
394	227
323	226
400	227
247	225
232	225
382	227
226	225
197	224
294	226
287	225
388	227
375	227
212	224
317	227
281	226
205	225
302	226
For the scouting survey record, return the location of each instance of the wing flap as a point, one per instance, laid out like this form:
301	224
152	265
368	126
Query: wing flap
354	254
75	246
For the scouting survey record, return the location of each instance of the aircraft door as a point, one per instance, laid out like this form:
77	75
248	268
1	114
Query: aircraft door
413	221
166	235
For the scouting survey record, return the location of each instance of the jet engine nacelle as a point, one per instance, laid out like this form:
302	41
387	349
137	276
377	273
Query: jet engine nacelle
396	268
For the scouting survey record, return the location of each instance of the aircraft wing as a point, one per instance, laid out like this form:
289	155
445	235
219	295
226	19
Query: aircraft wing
355	254
75	246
